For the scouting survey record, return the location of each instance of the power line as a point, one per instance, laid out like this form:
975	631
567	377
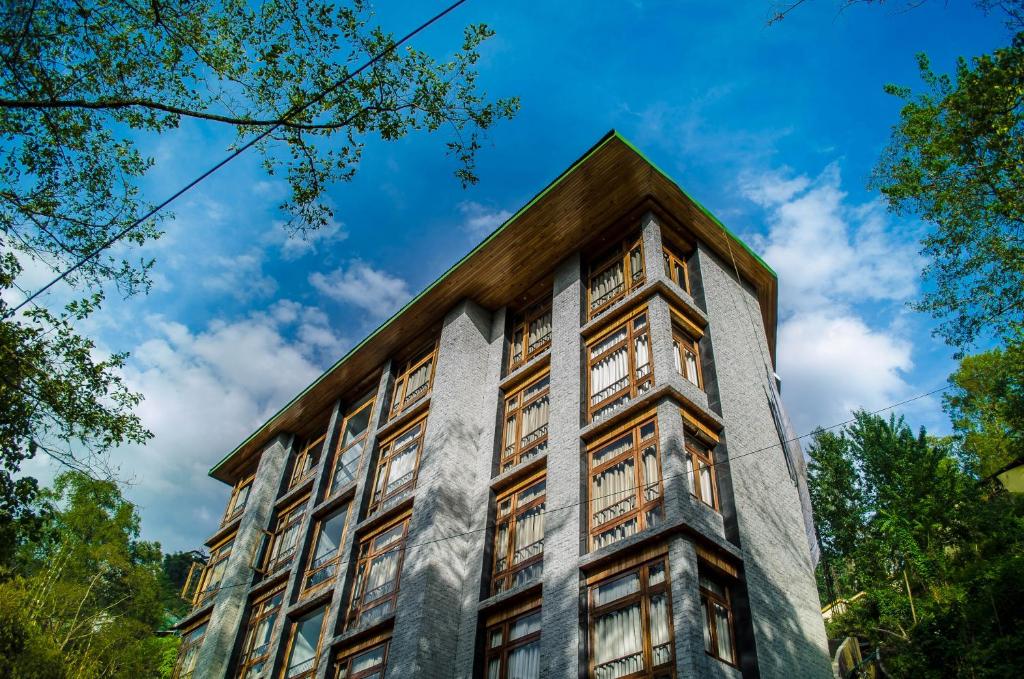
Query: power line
295	110
344	564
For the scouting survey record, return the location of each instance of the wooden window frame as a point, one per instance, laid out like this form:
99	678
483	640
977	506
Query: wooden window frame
203	592
520	349
515	406
306	460
682	340
644	594
635	384
501	652
265	561
293	632
383	499
619	255
366	553
635	452
708	599
262	609
673	265
515	510
695	456
365	404
232	511
187	645
401	400
313	569
348	655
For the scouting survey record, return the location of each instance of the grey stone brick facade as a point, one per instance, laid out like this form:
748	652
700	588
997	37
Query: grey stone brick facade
754	541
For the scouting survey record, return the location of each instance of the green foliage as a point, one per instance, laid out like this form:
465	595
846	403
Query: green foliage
955	160
987	405
903	518
87	598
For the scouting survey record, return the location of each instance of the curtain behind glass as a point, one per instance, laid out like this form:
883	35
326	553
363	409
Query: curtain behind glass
524	662
618	643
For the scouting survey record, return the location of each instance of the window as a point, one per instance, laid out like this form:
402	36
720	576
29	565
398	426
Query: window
519	535
531	334
306	459
377	573
619	365
526	423
413	381
323	559
625	484
631	624
719	639
613	274
188	653
363	662
675	269
686	353
280	545
397	464
257	651
204	580
239	497
304	645
700	469
513	647
350	443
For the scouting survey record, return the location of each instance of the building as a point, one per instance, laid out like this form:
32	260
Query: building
566	457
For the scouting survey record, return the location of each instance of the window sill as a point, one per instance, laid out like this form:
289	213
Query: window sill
344	494
383	517
350	635
224	531
294	493
528	588
520	471
403	418
195	615
613	314
524	371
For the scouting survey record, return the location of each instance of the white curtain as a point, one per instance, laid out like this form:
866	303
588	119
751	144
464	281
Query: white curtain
535	416
608	592
618	643
524	662
402	465
707	623
529	539
540	330
607	372
605	283
723	633
652	476
675	356
612	450
510	434
636	263
660	646
706	492
418	378
501	548
691	366
368	660
613	492
689	474
621	531
643	356
381	578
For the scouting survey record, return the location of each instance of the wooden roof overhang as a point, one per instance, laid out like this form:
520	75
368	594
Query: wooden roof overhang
611	181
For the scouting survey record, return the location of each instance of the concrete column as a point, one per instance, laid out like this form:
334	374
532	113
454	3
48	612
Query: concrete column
654	260
560	613
686	614
229	602
784	608
441	553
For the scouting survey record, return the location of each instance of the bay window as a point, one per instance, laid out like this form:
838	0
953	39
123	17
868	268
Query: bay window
716	606
279	546
188	652
204	580
397	467
413	381
675	268
685	350
614	274
378	570
326	551
513	646
526	423
625	489
351	440
531	334
700	470
519	535
257	651
306	459
239	498
630	624
304	644
619	365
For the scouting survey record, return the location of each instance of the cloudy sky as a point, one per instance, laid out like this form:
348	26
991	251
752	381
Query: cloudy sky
775	129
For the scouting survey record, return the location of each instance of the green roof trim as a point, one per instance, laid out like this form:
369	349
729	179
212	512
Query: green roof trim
612	134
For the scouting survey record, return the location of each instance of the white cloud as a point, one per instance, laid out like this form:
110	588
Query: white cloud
479	220
842	269
205	392
296	245
240	276
362	286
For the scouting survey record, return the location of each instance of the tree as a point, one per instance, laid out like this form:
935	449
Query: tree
86	600
82	83
903	519
987	405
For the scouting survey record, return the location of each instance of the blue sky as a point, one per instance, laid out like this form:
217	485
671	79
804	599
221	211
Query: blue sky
775	129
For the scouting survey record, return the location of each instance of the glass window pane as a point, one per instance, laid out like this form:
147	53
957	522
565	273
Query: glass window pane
524	662
527	624
618	643
618	588
304	646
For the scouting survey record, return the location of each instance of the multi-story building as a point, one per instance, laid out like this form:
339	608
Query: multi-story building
565	458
